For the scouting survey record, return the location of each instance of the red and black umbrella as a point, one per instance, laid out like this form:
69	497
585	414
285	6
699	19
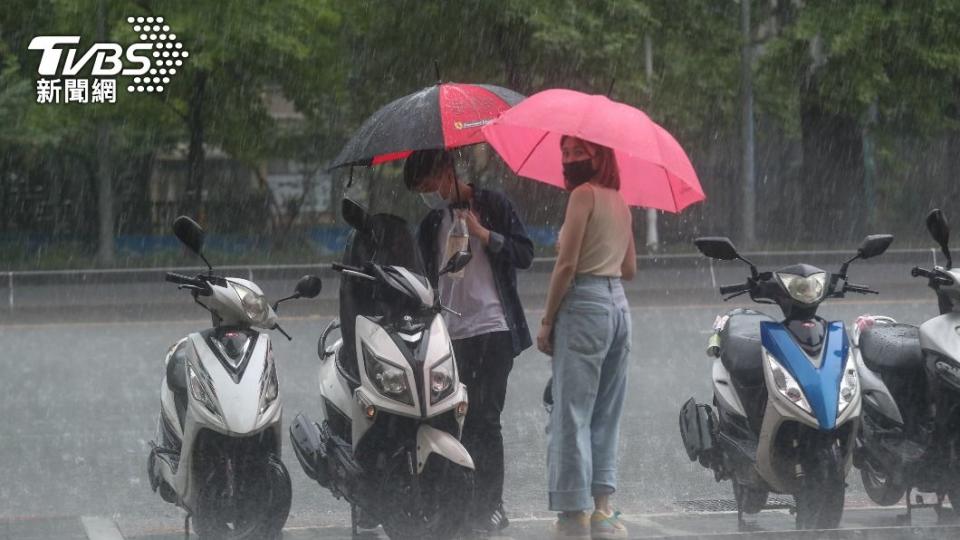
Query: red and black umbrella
447	115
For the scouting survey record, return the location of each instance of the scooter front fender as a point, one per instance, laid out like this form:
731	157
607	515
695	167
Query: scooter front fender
433	441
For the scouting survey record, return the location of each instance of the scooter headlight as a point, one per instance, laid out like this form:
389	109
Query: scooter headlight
255	305
786	384
441	379
808	290
201	388
390	380
269	385
849	385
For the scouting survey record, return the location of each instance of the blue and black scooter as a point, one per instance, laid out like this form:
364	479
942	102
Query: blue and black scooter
786	400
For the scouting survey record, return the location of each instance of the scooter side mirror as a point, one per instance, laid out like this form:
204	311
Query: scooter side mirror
874	245
308	287
717	247
458	262
940	231
190	233
354	214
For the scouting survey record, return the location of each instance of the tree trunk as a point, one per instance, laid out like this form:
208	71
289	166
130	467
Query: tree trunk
870	167
196	154
105	238
105	251
748	163
831	175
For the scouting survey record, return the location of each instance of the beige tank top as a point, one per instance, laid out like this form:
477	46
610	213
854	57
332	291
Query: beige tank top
607	235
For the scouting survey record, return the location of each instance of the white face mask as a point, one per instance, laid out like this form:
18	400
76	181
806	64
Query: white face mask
434	200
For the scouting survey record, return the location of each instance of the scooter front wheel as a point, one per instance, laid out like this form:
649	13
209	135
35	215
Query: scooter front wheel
264	506
445	494
821	495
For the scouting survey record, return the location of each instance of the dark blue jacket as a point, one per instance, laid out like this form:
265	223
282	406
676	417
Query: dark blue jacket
509	248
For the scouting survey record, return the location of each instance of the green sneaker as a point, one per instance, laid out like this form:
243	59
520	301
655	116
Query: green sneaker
575	527
604	527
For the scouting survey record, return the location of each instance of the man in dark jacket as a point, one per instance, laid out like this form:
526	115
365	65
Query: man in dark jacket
492	330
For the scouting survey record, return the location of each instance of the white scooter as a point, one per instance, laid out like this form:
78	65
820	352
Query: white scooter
911	396
217	451
392	404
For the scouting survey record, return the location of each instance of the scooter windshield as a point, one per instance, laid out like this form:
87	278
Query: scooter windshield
390	243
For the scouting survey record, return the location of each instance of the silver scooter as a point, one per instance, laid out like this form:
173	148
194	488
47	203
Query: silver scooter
217	450
786	396
910	438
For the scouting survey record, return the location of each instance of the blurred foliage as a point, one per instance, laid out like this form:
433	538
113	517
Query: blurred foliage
826	74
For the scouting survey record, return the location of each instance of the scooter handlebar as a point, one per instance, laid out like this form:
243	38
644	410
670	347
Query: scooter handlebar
351	271
862	289
935	277
730	289
181	279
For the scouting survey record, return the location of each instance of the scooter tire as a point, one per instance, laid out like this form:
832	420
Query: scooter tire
880	488
821	497
268	523
451	514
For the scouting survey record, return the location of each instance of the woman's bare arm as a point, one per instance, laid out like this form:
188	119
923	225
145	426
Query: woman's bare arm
578	212
628	268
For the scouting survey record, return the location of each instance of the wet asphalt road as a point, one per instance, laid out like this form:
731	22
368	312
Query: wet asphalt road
79	397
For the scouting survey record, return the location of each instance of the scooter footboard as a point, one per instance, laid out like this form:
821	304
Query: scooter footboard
697	428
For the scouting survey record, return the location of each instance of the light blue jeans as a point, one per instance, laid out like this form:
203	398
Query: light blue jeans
591	345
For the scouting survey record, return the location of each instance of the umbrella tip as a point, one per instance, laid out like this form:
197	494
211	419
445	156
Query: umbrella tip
610	88
436	69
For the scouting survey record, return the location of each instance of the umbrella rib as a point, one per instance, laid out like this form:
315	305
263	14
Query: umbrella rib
673	194
532	150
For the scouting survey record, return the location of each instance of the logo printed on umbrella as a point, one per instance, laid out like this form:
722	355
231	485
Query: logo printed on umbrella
155	59
474	124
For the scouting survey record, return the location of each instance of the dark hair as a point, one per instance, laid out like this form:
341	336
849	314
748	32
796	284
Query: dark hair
608	173
422	163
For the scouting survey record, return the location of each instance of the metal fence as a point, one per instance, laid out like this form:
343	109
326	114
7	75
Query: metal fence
19	279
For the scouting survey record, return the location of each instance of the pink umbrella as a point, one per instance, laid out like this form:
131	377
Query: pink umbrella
655	172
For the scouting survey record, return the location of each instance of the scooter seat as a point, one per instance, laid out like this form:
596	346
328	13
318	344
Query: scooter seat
891	347
740	346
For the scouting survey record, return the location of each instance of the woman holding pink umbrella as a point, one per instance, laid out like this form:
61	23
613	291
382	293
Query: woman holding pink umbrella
586	328
608	155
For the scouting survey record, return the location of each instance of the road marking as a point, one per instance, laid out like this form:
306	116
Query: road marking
100	528
646	522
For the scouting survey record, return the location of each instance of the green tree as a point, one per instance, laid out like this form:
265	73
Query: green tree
839	68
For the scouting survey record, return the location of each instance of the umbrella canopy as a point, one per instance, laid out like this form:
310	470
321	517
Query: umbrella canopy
447	115
655	172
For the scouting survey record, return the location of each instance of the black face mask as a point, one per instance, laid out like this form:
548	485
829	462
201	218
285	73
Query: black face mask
577	172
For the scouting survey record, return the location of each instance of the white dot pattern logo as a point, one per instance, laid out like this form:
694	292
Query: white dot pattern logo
153	31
